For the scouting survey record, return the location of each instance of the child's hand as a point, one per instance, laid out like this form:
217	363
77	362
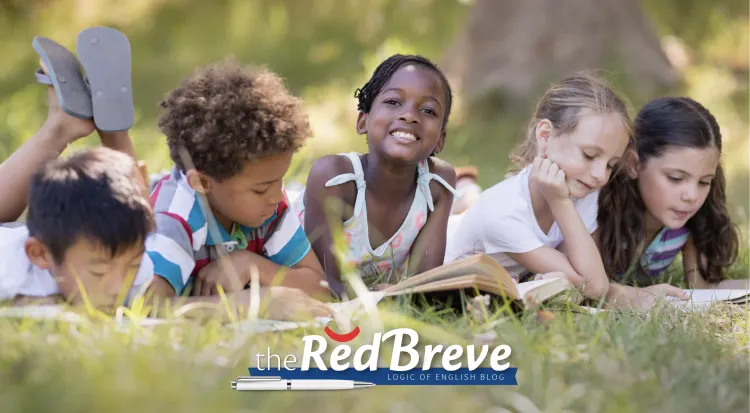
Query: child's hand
286	304
230	271
550	178
647	296
70	127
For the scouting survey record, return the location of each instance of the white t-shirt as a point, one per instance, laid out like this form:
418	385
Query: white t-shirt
19	277
502	221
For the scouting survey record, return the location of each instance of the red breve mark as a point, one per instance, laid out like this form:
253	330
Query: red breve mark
342	338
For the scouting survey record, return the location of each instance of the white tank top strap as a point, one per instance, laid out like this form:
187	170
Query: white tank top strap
357	176
423	181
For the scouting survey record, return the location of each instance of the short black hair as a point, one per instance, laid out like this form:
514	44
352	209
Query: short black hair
382	74
92	194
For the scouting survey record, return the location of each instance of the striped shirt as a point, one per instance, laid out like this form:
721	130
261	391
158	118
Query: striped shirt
658	256
182	245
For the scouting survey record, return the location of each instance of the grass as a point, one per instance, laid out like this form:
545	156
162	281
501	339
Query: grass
661	361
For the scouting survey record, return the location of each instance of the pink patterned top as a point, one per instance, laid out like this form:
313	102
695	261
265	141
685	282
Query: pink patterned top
387	262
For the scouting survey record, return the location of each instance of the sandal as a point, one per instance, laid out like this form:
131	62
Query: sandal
64	74
104	54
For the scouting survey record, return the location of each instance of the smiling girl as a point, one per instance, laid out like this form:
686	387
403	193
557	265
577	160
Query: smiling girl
393	209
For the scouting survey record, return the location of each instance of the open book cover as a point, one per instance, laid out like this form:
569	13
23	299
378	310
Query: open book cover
478	272
486	275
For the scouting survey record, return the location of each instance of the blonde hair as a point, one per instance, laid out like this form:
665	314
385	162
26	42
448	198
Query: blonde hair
562	104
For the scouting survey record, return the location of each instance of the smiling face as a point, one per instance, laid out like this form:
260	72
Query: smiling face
588	154
675	185
405	123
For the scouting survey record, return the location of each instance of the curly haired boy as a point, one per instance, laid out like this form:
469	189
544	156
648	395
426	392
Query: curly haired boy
231	132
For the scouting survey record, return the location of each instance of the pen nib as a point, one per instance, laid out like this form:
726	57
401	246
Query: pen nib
361	384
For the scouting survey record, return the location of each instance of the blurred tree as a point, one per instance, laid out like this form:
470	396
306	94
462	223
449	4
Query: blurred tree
509	50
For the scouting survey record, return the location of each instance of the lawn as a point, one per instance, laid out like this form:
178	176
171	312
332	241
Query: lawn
663	361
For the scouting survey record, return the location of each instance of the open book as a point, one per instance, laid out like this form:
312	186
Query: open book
702	299
478	272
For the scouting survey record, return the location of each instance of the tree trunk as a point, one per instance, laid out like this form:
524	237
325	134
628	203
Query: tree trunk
516	47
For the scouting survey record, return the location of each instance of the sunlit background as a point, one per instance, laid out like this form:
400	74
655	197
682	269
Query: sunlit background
499	54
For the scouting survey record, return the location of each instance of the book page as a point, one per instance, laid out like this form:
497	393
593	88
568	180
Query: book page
709	296
525	287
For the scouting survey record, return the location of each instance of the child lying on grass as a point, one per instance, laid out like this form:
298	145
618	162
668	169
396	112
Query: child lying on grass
89	215
673	202
88	219
393	202
232	133
540	219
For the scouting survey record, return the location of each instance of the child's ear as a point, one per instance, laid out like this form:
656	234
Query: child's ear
201	183
38	253
635	170
543	133
361	123
440	143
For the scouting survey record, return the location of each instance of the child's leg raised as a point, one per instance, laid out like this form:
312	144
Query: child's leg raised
58	131
105	55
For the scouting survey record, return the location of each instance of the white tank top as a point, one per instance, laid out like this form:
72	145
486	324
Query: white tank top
387	262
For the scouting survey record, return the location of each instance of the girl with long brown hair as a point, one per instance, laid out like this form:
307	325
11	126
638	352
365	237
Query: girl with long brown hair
672	202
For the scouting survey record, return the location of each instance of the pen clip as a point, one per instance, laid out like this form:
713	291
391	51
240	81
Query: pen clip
259	378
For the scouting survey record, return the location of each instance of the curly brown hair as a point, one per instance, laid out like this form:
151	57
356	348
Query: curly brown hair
225	115
660	124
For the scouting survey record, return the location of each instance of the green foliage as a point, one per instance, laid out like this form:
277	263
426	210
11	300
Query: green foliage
660	361
308	44
326	49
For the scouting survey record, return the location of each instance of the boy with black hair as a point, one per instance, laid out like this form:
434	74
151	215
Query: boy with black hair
88	219
88	215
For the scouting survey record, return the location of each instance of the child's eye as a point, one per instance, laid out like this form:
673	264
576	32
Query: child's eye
430	112
263	192
391	102
98	274
587	156
704	183
674	178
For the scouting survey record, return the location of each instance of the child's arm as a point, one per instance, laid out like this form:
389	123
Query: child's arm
581	261
306	275
119	141
276	303
428	250
693	277
324	213
57	132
